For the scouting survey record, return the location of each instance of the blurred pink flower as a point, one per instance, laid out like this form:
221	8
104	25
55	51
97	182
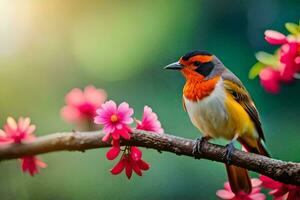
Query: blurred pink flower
269	79
149	121
82	105
115	120
17	132
131	161
255	194
289	53
31	164
281	191
284	65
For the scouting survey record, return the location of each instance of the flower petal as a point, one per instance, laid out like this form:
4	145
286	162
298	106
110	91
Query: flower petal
119	167
125	134
136	153
75	97
12	123
275	37
113	153
256	182
258	196
136	168
128	170
94	96
269	79
70	114
224	194
143	165
106	137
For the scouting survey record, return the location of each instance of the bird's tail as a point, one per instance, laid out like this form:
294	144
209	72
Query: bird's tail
257	147
239	179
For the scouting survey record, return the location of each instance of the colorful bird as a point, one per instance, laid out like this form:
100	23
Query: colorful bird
219	106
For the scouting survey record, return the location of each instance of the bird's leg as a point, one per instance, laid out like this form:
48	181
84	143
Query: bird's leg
197	147
230	149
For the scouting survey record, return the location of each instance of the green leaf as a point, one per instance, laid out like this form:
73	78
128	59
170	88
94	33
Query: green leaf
255	70
268	59
292	28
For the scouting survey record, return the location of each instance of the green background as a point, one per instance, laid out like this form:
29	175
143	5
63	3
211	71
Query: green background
48	47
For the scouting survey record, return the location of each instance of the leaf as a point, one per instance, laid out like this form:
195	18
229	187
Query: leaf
267	59
255	70
292	28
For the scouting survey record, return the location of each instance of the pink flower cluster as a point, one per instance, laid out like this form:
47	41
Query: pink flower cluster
18	132
81	106
284	66
116	121
255	194
279	190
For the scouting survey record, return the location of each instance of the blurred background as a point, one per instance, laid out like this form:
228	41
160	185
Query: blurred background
49	47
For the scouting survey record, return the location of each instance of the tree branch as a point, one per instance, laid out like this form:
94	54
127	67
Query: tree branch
286	172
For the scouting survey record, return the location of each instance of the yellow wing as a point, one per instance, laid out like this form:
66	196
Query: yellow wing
241	95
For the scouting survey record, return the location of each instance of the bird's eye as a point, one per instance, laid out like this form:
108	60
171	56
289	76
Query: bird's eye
197	63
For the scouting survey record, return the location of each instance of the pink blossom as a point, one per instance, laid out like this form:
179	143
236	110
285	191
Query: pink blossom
285	65
131	161
115	120
269	79
289	53
82	105
149	121
31	164
17	132
281	191
255	194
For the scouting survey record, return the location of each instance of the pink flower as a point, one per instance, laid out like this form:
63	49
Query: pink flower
269	79
281	191
227	194
289	53
31	165
115	120
149	121
17	132
285	65
131	161
82	105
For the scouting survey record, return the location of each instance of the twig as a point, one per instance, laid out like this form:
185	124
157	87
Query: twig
286	172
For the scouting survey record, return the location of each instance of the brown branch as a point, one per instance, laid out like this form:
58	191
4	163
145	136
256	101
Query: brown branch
287	172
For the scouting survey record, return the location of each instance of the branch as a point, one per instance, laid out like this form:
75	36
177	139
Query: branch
286	172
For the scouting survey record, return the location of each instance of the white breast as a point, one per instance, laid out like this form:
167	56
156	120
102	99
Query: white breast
209	114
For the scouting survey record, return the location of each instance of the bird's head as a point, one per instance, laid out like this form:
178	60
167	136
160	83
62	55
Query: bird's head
196	64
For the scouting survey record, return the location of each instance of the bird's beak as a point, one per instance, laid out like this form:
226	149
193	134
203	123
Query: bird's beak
174	66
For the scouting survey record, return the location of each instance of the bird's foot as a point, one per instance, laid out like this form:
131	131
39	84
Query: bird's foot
197	148
229	150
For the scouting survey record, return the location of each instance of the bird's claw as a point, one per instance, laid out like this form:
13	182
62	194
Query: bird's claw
229	150
197	148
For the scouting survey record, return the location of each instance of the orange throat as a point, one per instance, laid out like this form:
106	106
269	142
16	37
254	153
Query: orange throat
196	88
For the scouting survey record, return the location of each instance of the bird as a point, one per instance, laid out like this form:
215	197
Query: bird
219	106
